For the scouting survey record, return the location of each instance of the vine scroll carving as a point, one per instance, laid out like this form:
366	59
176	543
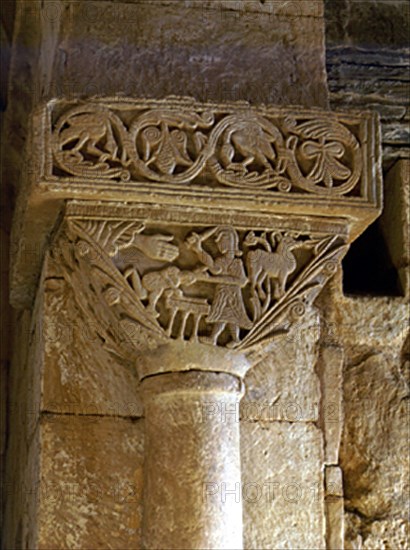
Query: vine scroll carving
285	151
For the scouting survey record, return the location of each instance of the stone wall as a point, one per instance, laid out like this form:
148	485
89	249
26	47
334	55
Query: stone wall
367	59
74	441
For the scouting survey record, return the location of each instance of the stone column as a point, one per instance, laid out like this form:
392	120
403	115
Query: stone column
192	236
192	453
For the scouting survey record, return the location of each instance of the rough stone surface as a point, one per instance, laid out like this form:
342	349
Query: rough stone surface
384	534
23	447
284	385
378	23
282	485
395	220
330	366
372	321
374	453
376	80
334	523
80	377
333	481
91	482
134	52
367	63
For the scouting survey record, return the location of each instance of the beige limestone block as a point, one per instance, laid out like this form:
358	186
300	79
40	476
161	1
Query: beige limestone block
372	321
374	453
91	482
334	523
282	486
333	481
330	366
284	384
80	376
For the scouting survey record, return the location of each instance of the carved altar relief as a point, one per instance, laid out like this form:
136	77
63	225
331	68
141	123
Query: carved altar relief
265	149
219	285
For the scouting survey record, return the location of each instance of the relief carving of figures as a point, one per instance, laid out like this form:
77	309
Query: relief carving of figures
246	153
219	285
226	271
282	153
266	267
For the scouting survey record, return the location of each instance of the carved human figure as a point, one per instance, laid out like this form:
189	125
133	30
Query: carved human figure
227	272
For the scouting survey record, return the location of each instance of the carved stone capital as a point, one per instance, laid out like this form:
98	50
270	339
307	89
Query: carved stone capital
192	235
235	165
207	283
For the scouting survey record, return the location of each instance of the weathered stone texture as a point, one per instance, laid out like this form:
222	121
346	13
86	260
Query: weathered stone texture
377	388
330	366
367	63
283	385
22	461
91	482
79	375
380	23
376	80
334	523
374	451
211	53
395	220
282	485
374	454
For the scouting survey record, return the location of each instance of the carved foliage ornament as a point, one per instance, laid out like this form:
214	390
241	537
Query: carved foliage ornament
218	285
300	152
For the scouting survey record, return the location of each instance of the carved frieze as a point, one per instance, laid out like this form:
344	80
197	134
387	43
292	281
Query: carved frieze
219	285
284	151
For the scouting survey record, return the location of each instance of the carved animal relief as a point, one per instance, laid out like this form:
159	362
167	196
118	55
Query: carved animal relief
219	285
280	151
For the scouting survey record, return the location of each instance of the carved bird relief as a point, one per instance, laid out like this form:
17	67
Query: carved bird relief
252	143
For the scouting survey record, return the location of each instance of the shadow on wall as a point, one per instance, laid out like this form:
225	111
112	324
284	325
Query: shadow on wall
368	268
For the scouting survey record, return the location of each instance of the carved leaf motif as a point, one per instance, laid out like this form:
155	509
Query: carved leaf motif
326	165
92	263
327	174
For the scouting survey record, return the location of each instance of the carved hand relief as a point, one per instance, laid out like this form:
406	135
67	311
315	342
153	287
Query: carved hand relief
218	285
282	151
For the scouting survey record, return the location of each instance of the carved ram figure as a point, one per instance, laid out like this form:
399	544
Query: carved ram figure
263	264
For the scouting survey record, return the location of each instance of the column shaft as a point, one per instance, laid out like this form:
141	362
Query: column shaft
192	458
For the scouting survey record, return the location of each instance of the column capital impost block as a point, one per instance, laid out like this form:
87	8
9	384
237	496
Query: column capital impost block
215	224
